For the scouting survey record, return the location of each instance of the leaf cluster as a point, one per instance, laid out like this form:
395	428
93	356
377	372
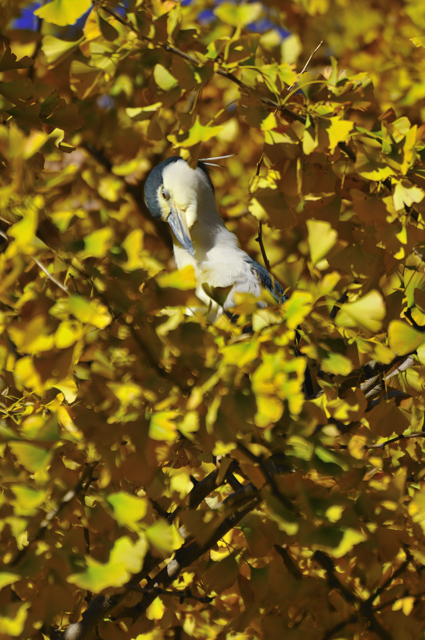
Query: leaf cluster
162	476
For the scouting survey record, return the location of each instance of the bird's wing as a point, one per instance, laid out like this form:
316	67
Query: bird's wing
267	281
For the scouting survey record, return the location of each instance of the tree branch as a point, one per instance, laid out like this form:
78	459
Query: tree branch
102	606
268	477
81	486
182	594
187	554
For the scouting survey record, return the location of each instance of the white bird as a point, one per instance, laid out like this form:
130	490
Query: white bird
184	197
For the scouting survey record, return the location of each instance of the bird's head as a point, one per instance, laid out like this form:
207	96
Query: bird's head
174	193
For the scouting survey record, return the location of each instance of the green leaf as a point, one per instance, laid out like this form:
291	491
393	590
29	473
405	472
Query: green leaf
63	12
128	509
403	338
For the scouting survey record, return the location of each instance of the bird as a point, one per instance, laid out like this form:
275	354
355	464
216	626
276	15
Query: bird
185	199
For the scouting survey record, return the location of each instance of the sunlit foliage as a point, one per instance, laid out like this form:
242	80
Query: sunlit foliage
163	477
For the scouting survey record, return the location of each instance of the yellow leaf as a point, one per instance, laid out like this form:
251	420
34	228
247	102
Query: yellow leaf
63	12
241	353
321	239
269	123
239	15
164	79
91	312
128	553
418	41
26	375
297	308
406	193
156	610
128	509
12	619
68	388
356	446
31	457
67	333
403	338
183	279
27	500
196	134
57	50
24	230
161	537
99	576
163	426
338	131
367	313
7	578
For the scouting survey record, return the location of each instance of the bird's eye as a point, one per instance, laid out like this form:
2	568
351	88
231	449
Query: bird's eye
165	193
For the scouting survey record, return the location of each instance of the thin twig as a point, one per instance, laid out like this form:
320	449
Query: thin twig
225	74
293	569
81	487
176	593
340	626
259	239
382	445
371	599
49	275
307	63
268	477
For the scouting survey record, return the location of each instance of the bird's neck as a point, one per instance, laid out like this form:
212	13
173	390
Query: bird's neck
214	246
206	231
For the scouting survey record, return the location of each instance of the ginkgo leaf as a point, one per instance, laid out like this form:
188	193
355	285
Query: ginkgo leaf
164	79
403	338
128	509
89	311
31	457
63	12
239	15
338	131
163	426
196	134
367	313
321	238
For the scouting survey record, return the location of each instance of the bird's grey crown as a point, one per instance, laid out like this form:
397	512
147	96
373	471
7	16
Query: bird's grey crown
155	180
266	280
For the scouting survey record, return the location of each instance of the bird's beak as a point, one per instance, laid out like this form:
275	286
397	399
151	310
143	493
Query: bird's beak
178	224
